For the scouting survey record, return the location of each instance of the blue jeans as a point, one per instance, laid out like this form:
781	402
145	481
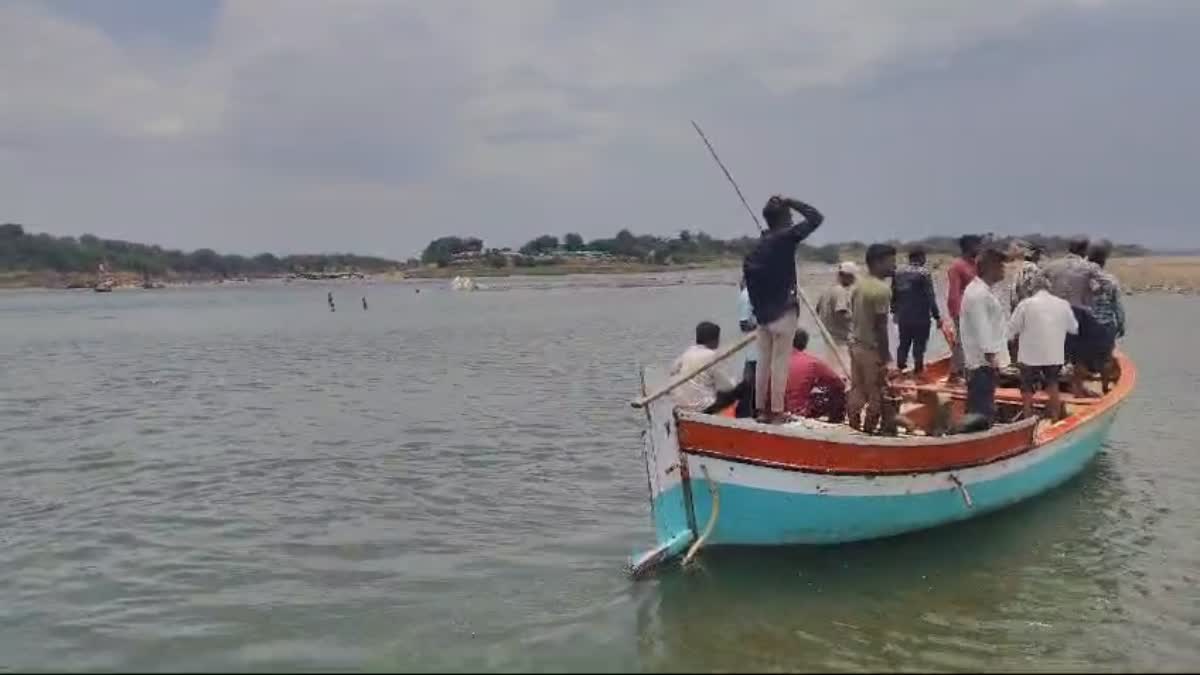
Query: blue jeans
981	393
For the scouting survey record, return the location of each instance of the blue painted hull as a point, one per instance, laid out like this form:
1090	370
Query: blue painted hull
755	515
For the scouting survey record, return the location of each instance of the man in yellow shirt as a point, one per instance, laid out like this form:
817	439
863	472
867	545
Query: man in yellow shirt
870	351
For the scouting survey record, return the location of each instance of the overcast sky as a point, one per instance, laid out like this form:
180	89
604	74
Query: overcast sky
375	125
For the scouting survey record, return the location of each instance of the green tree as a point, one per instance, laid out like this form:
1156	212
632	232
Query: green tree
547	243
573	242
442	251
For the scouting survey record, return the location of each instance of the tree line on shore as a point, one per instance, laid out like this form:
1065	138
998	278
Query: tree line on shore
23	251
27	252
689	247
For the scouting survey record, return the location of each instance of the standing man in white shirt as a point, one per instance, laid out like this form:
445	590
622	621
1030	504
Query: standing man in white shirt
710	391
747	324
984	336
1041	324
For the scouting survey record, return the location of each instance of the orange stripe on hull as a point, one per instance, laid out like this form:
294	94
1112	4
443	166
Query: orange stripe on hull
838	457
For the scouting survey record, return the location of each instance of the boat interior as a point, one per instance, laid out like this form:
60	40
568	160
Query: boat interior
934	406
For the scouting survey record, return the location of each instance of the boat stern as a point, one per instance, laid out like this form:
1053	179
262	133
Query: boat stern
670	507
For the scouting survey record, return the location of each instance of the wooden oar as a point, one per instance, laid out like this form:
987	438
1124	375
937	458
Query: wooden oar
721	355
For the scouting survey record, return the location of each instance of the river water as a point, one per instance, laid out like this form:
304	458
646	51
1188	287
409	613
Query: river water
237	478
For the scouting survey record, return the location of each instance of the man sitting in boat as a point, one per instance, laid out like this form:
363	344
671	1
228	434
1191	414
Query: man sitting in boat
712	390
813	389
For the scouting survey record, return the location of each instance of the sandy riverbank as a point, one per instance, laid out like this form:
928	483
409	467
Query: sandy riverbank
1150	274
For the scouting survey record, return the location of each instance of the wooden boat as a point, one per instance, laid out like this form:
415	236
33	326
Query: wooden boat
716	480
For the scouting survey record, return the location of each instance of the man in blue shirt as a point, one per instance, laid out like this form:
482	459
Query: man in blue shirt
914	307
770	274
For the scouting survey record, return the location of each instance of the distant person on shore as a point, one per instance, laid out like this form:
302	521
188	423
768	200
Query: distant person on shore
814	390
914	305
984	339
833	307
364	303
960	274
1074	278
747	324
1109	311
870	353
770	273
1041	324
712	390
330	299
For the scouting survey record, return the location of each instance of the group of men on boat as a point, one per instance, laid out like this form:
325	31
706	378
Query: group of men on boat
1066	312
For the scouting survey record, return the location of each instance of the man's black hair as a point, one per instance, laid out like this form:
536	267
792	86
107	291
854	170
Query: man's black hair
877	252
968	242
992	256
800	342
707	333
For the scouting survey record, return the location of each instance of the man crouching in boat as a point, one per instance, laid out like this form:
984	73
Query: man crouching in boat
770	273
710	391
814	390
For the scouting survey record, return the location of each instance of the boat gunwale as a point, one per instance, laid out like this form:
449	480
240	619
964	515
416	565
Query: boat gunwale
1102	406
846	435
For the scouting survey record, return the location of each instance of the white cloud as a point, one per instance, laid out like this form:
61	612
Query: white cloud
388	110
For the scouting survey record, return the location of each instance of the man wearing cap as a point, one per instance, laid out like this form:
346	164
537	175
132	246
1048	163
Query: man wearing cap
914	305
1028	280
1029	277
834	307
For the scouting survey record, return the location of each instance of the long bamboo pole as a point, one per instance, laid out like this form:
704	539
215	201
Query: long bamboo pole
799	292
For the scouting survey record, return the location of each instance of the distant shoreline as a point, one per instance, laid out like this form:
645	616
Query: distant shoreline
1143	274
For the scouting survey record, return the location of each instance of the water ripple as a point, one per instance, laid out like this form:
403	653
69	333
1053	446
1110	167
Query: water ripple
242	480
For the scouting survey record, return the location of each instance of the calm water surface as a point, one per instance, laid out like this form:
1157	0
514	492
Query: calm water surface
226	479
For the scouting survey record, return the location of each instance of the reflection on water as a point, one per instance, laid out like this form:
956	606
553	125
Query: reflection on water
942	599
227	479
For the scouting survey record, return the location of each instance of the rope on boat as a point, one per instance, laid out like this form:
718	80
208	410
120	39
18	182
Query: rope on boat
962	490
712	518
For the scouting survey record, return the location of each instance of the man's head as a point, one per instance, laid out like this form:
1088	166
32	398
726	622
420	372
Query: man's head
847	272
991	265
916	256
1078	246
1099	252
969	244
1038	282
776	213
881	260
800	342
708	334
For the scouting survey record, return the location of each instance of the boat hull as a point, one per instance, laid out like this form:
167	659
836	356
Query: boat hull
720	481
769	506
